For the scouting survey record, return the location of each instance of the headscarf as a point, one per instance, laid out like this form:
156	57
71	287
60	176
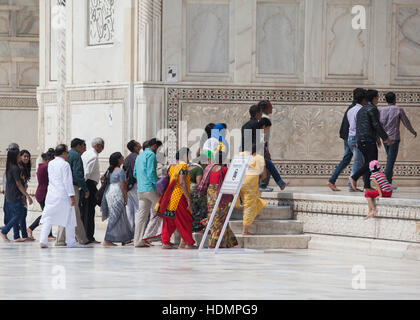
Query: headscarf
219	142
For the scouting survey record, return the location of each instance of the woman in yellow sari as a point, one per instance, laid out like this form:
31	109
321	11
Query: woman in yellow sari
250	191
174	206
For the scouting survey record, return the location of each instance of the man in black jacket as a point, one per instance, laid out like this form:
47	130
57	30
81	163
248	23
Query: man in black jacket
348	155
369	130
250	131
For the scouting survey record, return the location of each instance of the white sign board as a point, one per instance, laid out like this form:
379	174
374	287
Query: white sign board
236	174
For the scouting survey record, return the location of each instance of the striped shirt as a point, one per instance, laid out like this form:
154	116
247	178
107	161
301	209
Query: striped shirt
382	181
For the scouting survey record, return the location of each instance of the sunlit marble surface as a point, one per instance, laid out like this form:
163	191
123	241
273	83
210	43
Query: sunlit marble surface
27	272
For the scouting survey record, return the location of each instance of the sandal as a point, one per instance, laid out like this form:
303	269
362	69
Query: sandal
168	247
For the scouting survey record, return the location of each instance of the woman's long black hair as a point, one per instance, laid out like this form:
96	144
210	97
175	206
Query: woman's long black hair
12	156
26	168
113	162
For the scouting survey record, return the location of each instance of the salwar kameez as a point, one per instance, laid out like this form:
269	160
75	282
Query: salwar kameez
251	201
172	207
182	222
250	191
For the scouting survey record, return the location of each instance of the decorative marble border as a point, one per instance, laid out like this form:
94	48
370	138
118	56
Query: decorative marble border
324	169
18	102
177	95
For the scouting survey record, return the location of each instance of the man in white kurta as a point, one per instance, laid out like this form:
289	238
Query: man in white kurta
59	203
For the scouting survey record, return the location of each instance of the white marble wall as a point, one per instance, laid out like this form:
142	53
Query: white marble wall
302	54
307	42
19	74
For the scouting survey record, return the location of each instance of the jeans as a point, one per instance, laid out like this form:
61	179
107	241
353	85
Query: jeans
21	225
348	154
273	171
370	153
392	154
8	216
17	212
358	158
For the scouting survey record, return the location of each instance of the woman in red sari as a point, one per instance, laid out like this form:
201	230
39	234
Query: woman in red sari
174	205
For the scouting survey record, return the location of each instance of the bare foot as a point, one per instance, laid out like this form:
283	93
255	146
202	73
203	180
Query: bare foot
353	184
148	243
4	237
371	214
19	240
181	244
284	186
333	187
52	238
28	239
29	231
247	233
191	247
109	244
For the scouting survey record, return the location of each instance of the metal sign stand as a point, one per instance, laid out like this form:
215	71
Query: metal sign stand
226	189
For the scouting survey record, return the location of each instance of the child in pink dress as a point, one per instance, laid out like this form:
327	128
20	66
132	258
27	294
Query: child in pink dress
383	187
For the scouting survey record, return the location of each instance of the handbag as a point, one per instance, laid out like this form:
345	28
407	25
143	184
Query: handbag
100	194
163	182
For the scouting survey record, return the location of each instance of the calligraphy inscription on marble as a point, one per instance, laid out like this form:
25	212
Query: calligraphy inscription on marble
101	22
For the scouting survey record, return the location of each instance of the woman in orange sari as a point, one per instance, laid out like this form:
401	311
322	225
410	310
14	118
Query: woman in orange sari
174	205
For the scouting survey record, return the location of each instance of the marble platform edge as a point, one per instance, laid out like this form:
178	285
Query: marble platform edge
337	198
365	246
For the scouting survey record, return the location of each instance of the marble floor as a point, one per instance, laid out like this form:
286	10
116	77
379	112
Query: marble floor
27	272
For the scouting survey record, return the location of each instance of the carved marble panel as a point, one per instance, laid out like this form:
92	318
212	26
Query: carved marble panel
27	23
408	42
28	74
207	38
101	22
344	44
4	22
4	74
305	141
278	38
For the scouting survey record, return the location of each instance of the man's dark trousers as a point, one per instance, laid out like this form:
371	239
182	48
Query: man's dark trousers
87	209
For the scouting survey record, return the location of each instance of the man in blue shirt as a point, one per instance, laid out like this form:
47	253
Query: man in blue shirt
145	174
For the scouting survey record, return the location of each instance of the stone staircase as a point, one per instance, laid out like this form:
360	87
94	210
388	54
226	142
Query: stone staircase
274	228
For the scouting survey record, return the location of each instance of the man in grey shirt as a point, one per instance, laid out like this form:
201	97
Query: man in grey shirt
391	117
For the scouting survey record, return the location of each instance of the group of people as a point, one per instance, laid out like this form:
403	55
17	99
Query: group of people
362	129
139	207
66	182
142	209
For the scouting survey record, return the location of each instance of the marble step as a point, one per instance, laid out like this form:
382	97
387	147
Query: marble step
268	213
274	241
270	227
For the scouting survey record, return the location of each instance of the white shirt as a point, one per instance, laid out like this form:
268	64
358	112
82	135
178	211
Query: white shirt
57	209
91	165
352	117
